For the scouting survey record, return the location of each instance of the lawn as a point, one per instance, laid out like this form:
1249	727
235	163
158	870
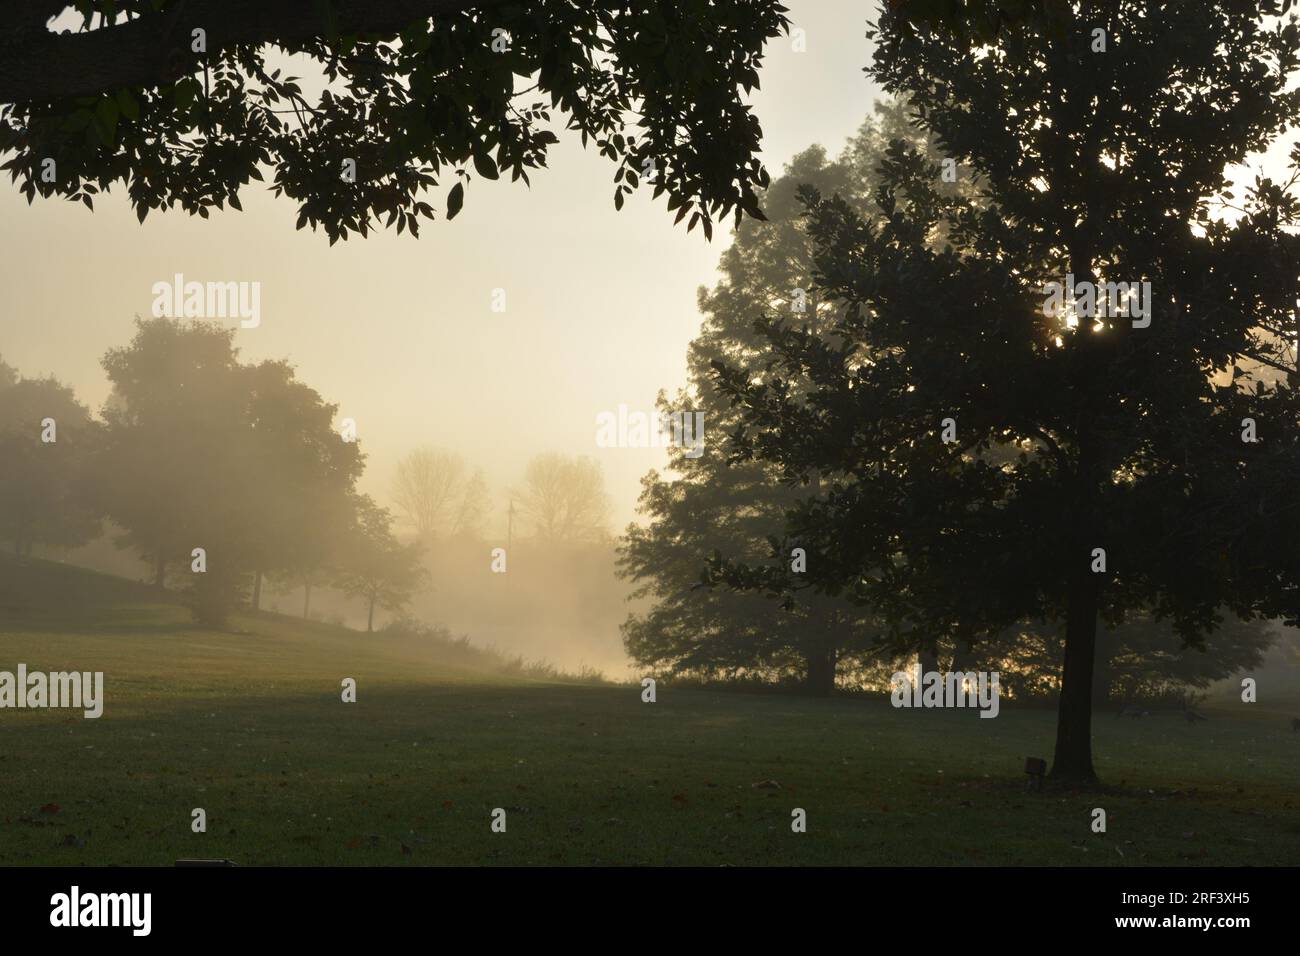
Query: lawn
250	726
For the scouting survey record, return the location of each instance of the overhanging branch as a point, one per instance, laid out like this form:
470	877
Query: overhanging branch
37	65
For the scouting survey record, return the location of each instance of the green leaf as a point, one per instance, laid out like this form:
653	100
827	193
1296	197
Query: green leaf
485	166
106	118
455	199
128	105
183	92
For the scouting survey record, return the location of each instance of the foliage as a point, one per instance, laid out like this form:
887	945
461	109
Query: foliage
416	102
1071	436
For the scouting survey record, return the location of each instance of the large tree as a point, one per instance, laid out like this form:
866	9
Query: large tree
166	466
202	451
1096	466
712	504
183	102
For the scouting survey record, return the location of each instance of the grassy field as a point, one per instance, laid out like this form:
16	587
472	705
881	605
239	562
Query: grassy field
249	725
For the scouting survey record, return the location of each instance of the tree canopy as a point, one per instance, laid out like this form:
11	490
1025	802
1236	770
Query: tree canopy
47	441
988	459
203	451
735	508
182	103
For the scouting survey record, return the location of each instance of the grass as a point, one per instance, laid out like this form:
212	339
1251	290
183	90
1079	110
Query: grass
249	725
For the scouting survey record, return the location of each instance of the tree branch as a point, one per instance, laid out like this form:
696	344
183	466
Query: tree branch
38	65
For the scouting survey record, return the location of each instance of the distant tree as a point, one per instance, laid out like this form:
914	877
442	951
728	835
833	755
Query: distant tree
175	405
1141	659
180	102
376	566
43	498
434	493
1129	436
472	512
301	473
201	451
563	499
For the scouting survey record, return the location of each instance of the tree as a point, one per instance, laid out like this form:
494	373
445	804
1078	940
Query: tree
43	482
302	474
203	452
563	499
377	567
473	509
174	403
1097	468
1143	659
432	489
735	508
179	101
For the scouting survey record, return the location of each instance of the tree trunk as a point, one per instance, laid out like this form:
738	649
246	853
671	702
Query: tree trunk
928	658
1103	676
306	600
370	620
257	591
159	571
820	680
1073	760
963	658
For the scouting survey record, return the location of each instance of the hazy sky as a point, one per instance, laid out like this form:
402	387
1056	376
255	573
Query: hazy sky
600	304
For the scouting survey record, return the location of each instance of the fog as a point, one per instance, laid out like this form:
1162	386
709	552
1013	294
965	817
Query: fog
599	308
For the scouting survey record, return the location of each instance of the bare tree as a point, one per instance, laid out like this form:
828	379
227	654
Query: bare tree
429	488
564	499
473	508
